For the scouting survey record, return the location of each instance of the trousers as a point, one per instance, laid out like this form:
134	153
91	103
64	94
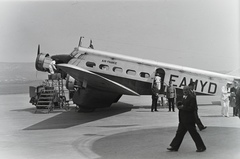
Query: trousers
181	131
225	108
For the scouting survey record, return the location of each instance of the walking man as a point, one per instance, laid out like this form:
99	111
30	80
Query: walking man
187	123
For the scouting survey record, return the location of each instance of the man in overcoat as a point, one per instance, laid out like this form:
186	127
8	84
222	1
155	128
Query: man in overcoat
187	123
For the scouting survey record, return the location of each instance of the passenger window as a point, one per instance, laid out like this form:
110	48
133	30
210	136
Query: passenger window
104	67
144	75
117	69
131	72
90	64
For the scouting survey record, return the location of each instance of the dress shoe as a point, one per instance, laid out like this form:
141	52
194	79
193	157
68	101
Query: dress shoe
171	149
201	150
202	128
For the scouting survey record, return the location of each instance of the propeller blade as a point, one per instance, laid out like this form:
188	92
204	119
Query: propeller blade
38	51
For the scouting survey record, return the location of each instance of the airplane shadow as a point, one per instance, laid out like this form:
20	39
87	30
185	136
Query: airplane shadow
33	111
30	110
72	118
147	108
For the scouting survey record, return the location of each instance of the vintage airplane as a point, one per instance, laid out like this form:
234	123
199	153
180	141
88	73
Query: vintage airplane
100	78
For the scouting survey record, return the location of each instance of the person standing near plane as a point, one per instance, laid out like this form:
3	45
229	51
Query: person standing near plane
238	100
197	119
233	98
225	99
52	67
154	97
187	122
157	80
171	95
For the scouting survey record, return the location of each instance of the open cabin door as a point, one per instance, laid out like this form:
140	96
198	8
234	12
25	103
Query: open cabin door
161	73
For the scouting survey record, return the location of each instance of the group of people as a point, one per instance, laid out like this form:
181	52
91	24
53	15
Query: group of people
170	94
188	110
230	98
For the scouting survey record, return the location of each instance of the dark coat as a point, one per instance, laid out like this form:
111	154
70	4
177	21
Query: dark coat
238	97
154	92
186	112
232	97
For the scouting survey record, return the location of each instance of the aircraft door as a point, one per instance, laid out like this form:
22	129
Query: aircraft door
161	73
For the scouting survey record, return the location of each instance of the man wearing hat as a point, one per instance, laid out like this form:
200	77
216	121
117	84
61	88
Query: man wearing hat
187	123
225	99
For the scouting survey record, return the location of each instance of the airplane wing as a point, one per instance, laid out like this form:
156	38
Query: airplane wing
95	80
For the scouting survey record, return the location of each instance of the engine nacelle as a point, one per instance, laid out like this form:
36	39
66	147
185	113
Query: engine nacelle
70	83
42	62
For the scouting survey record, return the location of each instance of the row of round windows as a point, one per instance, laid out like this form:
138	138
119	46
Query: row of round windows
118	69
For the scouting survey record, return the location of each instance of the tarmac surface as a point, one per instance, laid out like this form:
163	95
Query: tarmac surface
126	130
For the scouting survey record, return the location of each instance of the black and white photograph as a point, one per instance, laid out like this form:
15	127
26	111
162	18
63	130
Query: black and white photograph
119	79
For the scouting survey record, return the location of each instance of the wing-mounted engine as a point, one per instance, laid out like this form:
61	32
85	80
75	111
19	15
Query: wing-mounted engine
71	83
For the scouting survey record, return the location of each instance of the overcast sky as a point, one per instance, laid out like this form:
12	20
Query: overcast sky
195	33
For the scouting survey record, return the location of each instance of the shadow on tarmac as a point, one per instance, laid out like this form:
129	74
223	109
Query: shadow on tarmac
30	110
221	143
72	118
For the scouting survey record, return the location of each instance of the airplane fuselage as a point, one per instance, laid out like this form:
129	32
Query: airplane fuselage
138	74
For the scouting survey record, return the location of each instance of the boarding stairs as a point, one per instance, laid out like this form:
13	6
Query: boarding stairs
52	94
46	99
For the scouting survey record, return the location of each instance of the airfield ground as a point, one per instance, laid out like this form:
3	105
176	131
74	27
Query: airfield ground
126	130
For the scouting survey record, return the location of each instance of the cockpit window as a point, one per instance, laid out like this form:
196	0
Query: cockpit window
74	52
104	67
90	64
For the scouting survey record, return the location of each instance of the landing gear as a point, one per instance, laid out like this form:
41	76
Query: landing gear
63	103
